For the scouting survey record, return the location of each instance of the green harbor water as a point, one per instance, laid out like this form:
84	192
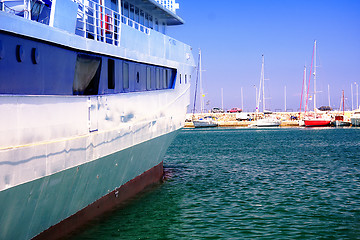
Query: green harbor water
283	183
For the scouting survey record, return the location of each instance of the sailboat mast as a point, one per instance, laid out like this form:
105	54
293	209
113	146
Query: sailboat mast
305	88
263	83
196	85
303	92
285	97
329	94
201	87
222	98
260	85
343	102
314	76
242	99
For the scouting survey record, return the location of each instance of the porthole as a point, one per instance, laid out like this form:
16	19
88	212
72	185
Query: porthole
35	57
19	53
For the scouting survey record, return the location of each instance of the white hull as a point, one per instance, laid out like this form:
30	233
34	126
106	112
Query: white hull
355	121
204	123
341	123
266	123
48	134
301	123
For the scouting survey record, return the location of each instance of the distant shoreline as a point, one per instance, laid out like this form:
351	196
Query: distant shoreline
288	119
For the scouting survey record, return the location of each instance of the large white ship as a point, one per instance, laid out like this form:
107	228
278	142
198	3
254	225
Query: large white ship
92	92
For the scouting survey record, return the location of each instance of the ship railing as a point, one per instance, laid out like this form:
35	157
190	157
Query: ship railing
95	21
17	7
134	24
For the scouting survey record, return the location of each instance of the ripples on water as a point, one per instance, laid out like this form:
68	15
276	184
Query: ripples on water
248	184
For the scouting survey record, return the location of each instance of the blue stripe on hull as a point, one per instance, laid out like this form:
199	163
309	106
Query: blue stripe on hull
39	204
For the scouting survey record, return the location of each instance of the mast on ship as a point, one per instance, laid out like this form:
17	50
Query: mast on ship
303	91
198	79
261	88
201	87
314	77
308	86
343	101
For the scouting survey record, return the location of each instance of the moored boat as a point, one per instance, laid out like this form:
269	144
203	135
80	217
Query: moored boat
340	120
355	118
207	121
266	122
92	94
317	122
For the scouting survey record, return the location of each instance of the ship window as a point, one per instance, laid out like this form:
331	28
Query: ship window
164	78
163	29
126	9
146	20
151	22
136	14
131	11
141	20
111	74
157	76
137	77
125	75
156	25
142	17
87	75
148	78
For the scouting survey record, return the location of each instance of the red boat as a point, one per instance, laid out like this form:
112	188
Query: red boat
314	120
317	122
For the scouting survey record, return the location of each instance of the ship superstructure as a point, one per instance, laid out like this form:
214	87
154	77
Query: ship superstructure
91	95
169	4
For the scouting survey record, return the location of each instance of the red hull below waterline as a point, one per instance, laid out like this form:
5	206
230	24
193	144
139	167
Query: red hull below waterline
317	123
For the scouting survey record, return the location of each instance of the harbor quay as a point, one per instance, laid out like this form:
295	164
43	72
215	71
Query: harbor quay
245	119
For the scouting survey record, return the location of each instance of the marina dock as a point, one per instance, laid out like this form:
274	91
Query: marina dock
288	119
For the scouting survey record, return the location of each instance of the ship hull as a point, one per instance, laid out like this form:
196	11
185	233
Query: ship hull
67	199
105	204
317	123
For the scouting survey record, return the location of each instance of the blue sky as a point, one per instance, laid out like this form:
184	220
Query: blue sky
234	34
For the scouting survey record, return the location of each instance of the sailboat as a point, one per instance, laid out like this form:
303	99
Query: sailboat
340	119
266	121
207	121
315	120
